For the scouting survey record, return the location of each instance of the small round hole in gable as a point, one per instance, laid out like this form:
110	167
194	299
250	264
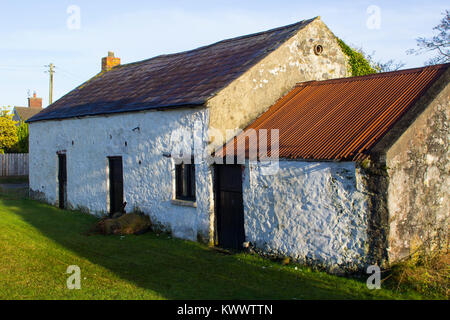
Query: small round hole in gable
318	49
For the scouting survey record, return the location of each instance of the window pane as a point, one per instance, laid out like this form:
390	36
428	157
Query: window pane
179	180
192	184
185	181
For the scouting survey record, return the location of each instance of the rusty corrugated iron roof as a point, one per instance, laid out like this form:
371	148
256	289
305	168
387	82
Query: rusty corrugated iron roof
340	119
176	80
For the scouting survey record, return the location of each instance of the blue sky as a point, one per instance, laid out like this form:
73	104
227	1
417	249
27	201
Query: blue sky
35	33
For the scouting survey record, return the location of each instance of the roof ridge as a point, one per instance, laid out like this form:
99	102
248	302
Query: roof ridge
299	23
374	75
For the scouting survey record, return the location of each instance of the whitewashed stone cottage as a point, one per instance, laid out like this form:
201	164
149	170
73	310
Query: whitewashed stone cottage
111	140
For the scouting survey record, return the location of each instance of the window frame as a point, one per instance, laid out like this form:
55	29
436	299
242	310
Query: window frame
185	186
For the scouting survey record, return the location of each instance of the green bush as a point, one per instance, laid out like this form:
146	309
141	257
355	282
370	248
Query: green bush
22	135
8	132
360	64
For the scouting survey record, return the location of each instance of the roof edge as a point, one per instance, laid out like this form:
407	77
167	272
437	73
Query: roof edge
374	75
97	114
417	108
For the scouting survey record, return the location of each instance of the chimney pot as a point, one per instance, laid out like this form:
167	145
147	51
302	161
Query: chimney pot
34	102
110	62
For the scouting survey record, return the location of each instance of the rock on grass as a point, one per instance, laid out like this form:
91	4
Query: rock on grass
124	225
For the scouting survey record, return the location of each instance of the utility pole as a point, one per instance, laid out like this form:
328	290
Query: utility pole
51	71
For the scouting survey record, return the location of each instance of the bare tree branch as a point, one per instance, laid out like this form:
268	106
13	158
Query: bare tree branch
439	43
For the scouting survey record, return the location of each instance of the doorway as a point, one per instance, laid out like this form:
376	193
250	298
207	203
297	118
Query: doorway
115	185
229	207
62	180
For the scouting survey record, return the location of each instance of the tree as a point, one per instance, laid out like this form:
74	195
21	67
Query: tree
390	65
8	131
439	43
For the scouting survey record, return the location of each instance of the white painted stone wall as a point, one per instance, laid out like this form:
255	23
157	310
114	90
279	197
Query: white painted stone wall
148	186
309	211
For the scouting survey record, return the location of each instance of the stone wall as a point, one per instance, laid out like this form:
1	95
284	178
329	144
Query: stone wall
373	182
141	139
314	212
419	190
260	87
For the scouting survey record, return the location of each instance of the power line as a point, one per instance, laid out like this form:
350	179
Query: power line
69	73
20	66
17	68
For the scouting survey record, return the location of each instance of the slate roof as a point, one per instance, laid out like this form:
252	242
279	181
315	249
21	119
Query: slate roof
25	113
340	119
176	80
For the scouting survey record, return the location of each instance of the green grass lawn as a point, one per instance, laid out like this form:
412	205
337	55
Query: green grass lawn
38	242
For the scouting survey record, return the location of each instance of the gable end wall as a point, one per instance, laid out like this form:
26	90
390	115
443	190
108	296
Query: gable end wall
419	189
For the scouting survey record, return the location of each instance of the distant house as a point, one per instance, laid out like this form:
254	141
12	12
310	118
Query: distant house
114	139
22	114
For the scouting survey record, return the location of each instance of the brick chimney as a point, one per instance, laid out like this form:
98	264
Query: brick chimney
110	62
34	102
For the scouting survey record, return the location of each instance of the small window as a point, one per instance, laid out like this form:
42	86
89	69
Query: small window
185	182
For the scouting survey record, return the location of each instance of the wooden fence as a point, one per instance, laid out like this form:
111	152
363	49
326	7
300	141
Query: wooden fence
13	164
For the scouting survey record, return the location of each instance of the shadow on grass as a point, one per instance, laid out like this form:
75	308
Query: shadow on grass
178	269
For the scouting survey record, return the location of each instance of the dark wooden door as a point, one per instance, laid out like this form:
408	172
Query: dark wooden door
62	180
229	206
115	184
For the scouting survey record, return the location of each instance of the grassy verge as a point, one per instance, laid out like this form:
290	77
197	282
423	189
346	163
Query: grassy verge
38	242
427	273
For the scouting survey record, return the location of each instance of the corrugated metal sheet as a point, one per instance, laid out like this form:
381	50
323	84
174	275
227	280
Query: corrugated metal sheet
177	80
341	119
